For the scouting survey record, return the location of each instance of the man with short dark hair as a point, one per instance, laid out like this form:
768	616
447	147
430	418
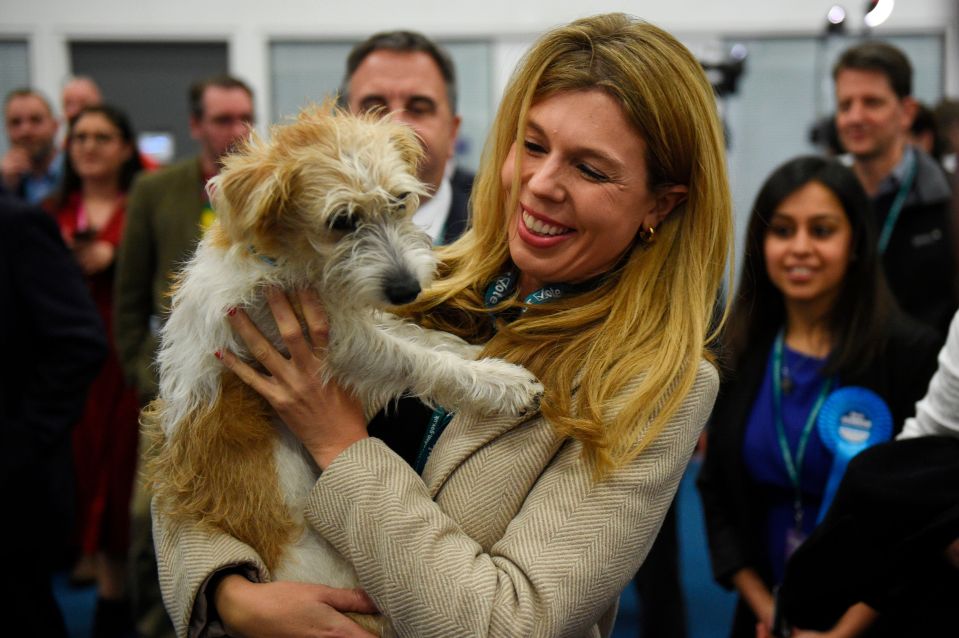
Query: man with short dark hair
409	75
909	191
30	169
167	212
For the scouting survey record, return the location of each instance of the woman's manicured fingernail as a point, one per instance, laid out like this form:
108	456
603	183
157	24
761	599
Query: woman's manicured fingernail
218	354
231	311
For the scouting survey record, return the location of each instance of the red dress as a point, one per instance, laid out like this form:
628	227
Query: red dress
105	438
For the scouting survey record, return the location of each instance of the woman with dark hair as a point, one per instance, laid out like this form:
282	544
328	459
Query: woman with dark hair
812	314
101	162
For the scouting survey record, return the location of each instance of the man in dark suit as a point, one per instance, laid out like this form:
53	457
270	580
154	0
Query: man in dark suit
167	212
407	74
53	344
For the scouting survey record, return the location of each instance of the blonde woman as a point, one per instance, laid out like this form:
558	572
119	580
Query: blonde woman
603	181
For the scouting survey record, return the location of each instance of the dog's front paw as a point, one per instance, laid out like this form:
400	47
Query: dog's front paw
535	397
505	388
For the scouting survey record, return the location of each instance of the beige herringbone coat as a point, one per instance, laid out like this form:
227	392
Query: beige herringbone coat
506	533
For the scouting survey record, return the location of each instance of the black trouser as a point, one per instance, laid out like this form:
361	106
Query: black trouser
662	607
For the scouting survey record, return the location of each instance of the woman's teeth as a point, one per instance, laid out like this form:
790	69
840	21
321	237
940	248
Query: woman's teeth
540	228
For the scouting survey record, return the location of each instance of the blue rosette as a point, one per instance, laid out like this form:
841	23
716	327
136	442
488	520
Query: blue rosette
851	420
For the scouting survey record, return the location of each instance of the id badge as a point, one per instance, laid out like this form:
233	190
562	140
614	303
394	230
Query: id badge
794	538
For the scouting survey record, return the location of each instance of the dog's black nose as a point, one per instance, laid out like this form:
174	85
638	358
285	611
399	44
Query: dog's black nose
402	290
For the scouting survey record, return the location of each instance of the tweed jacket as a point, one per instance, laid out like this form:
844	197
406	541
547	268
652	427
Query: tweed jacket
161	232
505	534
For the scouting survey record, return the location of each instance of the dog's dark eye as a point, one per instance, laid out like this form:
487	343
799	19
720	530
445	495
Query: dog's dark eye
401	200
343	221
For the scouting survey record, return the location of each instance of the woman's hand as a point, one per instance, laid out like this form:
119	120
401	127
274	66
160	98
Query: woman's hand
854	622
94	256
324	416
757	596
291	609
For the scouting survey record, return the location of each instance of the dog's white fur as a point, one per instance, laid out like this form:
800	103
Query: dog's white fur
276	201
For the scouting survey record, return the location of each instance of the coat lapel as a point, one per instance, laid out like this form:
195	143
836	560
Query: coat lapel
465	434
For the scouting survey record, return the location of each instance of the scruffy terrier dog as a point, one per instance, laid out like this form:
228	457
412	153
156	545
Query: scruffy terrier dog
324	203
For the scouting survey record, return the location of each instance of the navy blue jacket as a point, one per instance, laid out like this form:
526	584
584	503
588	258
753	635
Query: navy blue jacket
53	344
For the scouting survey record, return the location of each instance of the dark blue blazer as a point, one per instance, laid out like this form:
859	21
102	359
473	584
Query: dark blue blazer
53	343
458	219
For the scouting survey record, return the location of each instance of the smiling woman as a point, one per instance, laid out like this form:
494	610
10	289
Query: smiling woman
807	247
581	164
812	313
529	524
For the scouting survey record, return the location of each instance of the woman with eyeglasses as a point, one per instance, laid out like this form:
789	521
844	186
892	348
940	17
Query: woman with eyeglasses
101	162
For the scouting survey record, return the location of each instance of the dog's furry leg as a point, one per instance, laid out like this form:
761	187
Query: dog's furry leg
429	365
217	468
432	339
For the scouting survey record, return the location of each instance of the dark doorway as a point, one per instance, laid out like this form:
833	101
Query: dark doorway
150	81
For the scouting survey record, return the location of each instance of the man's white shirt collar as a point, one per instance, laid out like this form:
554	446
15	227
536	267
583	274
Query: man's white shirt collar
432	215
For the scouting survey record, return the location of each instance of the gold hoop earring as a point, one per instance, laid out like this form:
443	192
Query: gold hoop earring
647	235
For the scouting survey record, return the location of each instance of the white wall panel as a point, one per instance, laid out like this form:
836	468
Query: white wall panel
249	25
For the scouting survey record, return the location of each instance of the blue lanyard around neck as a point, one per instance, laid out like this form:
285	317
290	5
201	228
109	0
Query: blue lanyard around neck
793	463
894	211
499	289
505	285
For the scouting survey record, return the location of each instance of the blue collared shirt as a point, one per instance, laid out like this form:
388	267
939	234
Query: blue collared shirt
35	188
890	183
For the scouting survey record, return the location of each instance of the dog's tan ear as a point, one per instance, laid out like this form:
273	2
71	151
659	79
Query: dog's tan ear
249	196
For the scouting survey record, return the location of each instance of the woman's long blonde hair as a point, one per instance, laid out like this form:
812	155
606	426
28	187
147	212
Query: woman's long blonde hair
651	314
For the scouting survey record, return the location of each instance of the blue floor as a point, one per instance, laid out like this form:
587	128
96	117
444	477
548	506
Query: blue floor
709	608
77	604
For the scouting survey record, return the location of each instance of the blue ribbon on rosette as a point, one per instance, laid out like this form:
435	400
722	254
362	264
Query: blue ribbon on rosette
851	420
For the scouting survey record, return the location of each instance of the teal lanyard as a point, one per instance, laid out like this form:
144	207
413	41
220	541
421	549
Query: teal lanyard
500	288
904	187
504	286
793	464
438	422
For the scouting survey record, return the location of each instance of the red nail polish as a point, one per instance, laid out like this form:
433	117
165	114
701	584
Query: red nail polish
218	354
231	311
